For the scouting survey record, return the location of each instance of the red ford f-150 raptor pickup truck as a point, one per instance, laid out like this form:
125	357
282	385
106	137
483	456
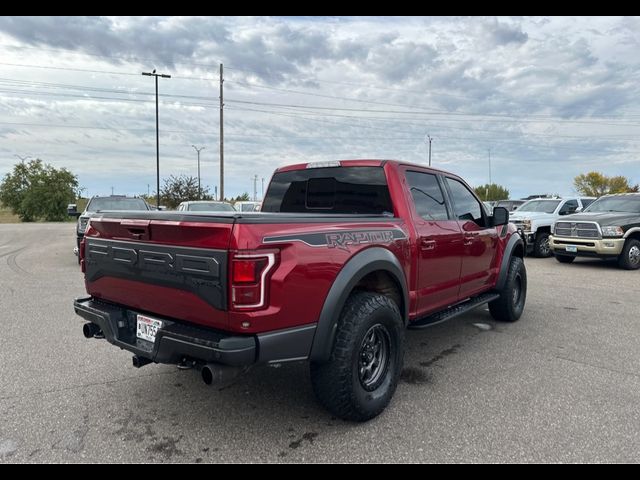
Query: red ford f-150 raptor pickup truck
344	257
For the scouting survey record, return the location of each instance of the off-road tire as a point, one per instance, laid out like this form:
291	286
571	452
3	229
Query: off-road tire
341	383
510	305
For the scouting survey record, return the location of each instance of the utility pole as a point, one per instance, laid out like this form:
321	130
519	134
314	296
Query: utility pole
156	75
255	188
215	192
111	191
148	191
199	150
489	166
262	188
221	134
428	139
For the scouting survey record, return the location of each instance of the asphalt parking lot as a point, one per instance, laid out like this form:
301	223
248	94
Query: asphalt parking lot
560	385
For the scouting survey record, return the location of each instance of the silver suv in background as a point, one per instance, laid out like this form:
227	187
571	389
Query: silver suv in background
205	206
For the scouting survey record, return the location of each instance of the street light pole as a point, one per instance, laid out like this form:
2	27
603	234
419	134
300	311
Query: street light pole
199	150
428	139
156	75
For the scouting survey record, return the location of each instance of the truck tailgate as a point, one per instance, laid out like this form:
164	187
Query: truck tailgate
161	263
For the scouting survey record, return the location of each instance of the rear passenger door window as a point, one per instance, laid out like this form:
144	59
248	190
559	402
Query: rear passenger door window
427	196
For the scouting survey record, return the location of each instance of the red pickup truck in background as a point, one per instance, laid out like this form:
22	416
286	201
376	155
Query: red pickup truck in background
344	257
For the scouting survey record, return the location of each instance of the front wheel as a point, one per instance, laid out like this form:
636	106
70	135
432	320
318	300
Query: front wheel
541	247
362	374
510	305
629	258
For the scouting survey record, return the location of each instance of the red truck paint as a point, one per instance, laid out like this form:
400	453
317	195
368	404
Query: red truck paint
299	285
223	292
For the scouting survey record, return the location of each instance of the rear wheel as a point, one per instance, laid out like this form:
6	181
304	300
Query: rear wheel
362	374
565	258
541	247
510	305
629	258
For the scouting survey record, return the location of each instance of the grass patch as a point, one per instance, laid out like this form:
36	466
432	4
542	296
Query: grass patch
7	217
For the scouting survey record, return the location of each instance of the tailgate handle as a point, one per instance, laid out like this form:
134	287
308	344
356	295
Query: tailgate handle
137	232
137	229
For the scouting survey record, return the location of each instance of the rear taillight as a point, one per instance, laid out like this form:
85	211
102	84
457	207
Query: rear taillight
82	250
249	277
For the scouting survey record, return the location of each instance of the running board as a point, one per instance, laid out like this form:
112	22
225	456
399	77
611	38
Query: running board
454	311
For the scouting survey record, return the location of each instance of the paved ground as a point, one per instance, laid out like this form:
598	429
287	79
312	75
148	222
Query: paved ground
561	385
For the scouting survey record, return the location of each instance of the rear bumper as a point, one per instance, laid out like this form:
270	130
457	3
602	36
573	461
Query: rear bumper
605	248
177	341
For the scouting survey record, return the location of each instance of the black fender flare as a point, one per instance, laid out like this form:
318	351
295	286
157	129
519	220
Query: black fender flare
358	266
514	241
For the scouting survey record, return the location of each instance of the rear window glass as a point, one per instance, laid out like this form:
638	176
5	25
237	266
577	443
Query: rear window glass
211	207
116	203
338	190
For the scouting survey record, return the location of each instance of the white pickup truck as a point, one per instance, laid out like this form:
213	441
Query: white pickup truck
534	218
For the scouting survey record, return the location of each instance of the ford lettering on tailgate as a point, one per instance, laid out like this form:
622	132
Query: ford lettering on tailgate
200	271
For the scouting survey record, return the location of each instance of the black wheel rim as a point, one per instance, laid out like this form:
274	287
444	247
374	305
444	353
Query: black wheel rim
373	357
517	291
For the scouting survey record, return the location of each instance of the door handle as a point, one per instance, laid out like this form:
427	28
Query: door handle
426	244
469	237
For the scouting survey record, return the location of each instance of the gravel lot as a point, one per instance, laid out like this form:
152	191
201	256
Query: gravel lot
560	385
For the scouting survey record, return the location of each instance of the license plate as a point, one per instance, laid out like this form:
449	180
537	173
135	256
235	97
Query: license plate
571	248
148	328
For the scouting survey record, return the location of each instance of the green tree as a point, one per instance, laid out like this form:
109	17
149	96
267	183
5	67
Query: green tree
38	191
242	198
182	188
492	192
596	184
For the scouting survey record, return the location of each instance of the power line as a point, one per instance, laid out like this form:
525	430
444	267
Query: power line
402	112
108	72
113	57
475	139
313	94
422	125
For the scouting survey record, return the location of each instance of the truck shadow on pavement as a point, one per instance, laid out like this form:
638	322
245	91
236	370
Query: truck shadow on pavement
271	410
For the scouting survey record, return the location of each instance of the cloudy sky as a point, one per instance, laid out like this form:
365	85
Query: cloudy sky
544	98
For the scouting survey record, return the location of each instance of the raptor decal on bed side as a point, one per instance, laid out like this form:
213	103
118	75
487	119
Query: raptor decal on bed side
341	239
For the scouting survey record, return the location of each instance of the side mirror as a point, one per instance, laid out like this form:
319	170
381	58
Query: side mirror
72	210
500	216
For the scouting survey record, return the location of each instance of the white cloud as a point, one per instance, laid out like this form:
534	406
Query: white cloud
551	97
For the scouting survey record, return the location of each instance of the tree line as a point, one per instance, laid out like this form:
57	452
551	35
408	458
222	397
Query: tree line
36	191
592	184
